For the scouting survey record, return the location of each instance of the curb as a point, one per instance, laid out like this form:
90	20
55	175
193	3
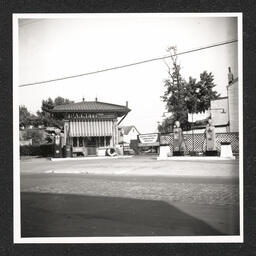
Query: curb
195	158
88	158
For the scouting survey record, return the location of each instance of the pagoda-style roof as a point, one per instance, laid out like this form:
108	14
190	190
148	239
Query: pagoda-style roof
91	107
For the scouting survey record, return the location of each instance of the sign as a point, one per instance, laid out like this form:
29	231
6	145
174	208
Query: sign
150	138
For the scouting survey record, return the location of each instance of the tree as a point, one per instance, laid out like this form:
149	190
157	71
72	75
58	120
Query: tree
24	116
47	104
183	97
37	136
47	118
206	92
199	94
61	101
175	93
167	125
192	95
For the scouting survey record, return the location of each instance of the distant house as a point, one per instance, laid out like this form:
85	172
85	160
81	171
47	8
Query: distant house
127	133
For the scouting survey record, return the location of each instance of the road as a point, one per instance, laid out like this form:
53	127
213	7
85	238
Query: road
129	197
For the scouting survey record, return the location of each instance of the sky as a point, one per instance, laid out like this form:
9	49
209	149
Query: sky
55	47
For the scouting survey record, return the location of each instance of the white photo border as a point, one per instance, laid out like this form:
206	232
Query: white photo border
135	239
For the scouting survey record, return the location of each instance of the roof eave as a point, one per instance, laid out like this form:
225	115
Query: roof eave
87	111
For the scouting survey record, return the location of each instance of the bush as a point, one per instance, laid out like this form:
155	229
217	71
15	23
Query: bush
46	150
37	150
36	135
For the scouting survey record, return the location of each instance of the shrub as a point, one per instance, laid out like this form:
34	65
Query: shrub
36	135
37	150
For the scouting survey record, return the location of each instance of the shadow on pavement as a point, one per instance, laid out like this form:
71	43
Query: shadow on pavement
66	215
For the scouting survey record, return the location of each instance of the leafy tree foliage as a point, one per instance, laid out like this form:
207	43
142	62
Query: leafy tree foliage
175	94
49	119
199	94
182	97
167	125
43	117
206	92
50	104
26	118
37	136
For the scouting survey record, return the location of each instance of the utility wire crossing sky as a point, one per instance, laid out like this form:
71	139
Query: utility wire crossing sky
131	64
70	57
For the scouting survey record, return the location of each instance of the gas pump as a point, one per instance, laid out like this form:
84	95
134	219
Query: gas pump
57	146
210	139
177	140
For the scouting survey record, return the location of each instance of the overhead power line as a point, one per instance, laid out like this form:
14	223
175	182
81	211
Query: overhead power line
130	64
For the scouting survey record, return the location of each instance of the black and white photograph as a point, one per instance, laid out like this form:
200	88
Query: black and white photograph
127	128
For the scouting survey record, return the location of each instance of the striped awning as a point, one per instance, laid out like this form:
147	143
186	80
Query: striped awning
90	128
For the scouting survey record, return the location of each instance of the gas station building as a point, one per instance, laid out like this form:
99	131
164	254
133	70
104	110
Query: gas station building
90	127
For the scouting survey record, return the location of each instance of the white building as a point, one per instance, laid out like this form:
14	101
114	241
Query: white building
232	90
224	111
127	133
219	114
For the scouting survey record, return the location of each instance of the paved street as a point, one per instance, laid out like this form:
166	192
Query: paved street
127	197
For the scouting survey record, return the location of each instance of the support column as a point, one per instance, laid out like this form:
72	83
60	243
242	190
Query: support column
112	138
66	132
116	132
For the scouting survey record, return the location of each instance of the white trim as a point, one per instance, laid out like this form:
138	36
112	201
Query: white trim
16	153
121	15
134	239
240	114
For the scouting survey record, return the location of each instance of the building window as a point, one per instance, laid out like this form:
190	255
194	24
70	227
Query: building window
80	142
75	141
108	141
101	141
